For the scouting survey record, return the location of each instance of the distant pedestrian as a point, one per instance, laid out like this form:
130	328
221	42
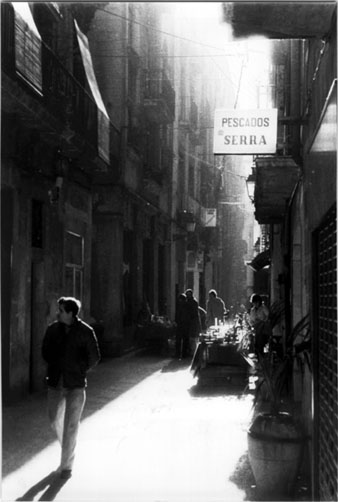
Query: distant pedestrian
144	315
259	320
182	327
193	319
143	322
215	309
70	349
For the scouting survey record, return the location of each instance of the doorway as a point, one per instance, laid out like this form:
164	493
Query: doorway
38	326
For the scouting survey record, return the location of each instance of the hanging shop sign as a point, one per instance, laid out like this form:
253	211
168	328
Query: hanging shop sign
245	131
209	217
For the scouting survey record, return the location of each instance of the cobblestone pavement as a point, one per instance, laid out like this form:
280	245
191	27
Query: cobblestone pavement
148	434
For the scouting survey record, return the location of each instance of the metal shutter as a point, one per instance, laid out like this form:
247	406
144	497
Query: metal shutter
326	388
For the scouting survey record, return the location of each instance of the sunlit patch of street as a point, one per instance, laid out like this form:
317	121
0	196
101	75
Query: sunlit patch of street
164	439
160	442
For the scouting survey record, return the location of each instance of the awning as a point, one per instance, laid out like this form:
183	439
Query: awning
27	41
260	261
102	119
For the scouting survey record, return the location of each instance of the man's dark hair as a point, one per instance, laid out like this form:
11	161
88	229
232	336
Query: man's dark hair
213	293
70	304
256	298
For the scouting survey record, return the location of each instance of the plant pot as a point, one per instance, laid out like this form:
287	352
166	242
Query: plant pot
275	447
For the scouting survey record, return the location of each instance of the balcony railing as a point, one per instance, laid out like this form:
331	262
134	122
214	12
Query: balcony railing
159	97
66	99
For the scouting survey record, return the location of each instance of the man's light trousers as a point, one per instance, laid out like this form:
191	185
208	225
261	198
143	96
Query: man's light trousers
65	408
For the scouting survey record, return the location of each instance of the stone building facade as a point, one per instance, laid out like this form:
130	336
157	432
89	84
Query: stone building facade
101	174
295	195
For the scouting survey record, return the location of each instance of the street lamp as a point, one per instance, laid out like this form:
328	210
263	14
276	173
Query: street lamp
250	186
187	219
190	228
191	225
187	223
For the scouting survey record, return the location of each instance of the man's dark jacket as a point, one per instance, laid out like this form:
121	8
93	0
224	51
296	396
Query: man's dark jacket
69	354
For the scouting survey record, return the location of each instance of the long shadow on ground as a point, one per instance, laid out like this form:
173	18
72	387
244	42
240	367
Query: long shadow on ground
52	484
226	389
244	479
25	426
176	365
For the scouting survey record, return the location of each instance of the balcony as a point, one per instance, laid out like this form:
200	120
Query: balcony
159	98
67	101
62	111
275	181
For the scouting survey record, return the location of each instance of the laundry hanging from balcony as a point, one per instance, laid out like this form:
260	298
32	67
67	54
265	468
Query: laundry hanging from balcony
102	118
27	42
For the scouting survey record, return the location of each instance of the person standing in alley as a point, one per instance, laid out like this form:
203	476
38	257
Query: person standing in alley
215	309
182	327
194	322
70	349
259	321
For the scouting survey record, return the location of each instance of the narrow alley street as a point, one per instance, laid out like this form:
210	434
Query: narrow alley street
148	433
169	177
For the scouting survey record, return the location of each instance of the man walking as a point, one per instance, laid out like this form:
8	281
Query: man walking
215	309
70	349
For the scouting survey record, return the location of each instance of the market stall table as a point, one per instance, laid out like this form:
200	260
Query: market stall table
155	334
217	360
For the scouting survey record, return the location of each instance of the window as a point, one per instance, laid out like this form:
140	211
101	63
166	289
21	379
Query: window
189	279
27	46
191	186
74	257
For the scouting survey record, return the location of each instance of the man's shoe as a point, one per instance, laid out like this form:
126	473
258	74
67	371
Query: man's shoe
66	474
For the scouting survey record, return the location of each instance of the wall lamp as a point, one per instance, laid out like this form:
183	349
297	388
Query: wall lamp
61	170
187	220
187	223
250	186
54	193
